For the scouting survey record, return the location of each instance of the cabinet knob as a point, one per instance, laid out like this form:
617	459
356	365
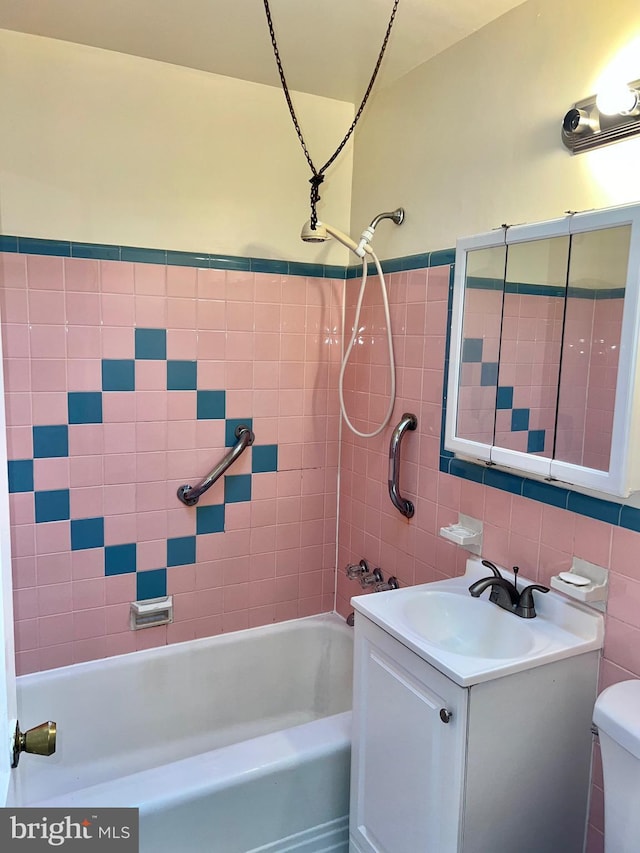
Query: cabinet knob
445	715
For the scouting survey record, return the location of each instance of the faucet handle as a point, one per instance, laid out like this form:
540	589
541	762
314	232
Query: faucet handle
371	578
525	606
489	565
355	571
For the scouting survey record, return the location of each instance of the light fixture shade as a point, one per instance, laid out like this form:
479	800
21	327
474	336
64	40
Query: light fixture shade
611	116
617	100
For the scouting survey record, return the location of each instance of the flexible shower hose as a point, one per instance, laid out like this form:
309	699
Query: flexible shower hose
356	326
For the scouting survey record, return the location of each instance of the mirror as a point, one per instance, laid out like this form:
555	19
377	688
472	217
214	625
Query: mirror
534	297
537	382
592	330
483	294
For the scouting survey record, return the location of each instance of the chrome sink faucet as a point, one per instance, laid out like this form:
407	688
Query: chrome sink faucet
505	594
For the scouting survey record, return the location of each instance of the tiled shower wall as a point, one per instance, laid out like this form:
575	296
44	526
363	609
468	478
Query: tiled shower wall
538	537
125	380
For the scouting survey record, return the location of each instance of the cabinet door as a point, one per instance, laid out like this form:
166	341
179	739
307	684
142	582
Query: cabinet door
475	344
530	346
407	764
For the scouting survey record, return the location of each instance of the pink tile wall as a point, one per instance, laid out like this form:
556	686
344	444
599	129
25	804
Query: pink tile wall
540	539
477	403
530	363
267	340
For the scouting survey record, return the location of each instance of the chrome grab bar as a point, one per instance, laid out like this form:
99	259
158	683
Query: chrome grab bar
404	506
190	495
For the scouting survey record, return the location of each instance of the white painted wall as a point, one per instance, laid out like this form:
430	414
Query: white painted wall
471	139
103	147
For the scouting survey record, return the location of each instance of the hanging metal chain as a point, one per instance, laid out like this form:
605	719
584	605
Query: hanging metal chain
318	174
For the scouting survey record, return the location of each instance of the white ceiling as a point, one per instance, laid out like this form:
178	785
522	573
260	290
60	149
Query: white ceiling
327	48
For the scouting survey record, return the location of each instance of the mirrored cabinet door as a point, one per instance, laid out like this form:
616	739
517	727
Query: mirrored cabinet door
531	344
591	348
476	325
480	345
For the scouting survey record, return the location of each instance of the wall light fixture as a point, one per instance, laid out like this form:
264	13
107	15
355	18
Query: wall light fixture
611	115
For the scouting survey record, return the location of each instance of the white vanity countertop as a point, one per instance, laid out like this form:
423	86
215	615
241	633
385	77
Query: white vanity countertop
561	629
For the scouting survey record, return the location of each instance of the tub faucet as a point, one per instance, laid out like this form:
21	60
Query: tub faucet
505	594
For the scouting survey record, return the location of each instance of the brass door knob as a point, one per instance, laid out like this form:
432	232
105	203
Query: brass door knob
40	740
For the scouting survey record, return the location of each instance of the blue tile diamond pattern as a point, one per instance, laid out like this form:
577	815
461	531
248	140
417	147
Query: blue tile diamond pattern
118	374
210	519
151	344
264	458
151	583
87	533
535	441
120	559
50	441
472	350
489	373
237	488
182	375
505	397
20	475
520	420
210	405
181	551
52	505
84	407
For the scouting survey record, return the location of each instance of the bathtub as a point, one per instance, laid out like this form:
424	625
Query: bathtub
229	744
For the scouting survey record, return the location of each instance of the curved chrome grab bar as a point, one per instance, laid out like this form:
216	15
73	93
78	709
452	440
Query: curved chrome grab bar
190	495
404	506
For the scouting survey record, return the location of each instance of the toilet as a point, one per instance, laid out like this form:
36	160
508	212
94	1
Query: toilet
617	716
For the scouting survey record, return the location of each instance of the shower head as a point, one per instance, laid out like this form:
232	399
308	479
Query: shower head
323	232
319	234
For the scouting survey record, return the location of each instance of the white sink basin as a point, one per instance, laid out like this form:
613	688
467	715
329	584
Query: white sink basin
472	640
467	626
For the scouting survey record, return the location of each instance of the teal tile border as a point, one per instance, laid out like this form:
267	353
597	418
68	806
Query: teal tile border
187	259
35	246
95	251
530	289
229	262
143	255
8	244
265	265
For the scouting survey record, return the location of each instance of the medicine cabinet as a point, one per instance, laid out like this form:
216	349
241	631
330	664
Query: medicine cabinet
543	369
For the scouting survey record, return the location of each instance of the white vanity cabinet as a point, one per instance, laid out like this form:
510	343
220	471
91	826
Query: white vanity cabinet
500	766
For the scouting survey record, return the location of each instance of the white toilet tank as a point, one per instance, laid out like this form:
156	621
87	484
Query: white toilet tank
617	716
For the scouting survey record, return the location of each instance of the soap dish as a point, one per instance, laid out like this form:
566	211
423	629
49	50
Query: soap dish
467	533
585	582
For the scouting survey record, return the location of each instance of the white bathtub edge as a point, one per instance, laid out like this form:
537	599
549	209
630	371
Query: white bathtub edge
180	781
184	647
